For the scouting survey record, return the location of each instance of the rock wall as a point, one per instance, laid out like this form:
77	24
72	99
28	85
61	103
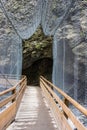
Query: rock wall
72	34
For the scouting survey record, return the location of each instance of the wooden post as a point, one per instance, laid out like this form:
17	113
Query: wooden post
14	92
66	102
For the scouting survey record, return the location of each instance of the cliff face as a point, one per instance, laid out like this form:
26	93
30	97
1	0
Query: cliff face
23	15
75	26
71	41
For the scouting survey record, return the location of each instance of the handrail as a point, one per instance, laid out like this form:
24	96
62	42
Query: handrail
7	91
61	110
72	101
11	102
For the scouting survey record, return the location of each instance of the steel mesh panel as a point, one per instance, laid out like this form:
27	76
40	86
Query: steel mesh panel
10	48
54	12
24	15
70	54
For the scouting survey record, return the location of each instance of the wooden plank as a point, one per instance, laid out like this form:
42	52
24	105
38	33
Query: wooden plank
70	115
20	95
56	113
53	109
30	116
59	117
7	116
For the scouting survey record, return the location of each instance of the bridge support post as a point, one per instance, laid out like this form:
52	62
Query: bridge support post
66	102
14	92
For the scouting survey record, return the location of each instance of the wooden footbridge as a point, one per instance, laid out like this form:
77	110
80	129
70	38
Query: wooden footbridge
38	108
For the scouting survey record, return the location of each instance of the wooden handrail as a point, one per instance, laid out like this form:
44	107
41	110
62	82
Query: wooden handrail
16	93
12	88
62	113
7	100
72	101
7	91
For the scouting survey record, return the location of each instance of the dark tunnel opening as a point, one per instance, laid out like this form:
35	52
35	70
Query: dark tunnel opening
40	67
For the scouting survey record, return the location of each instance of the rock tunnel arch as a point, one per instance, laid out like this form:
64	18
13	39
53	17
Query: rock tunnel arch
37	57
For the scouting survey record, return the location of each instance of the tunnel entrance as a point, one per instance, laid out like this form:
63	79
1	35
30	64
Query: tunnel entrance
39	67
37	57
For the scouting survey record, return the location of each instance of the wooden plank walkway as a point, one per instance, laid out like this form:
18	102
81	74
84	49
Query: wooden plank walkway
34	112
